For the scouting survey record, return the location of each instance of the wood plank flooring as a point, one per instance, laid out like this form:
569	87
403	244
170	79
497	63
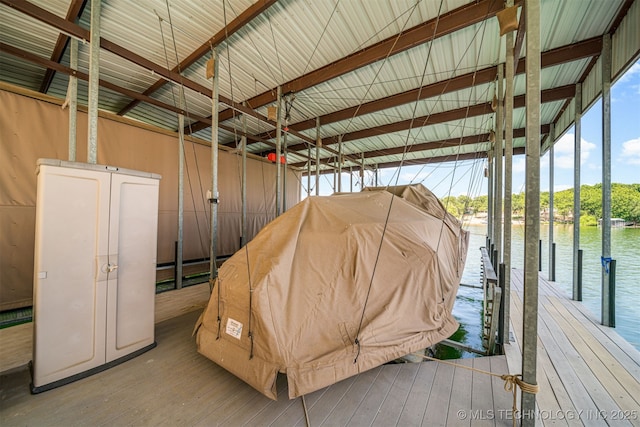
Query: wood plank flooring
587	373
174	385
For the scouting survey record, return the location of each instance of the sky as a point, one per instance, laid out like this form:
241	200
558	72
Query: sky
466	178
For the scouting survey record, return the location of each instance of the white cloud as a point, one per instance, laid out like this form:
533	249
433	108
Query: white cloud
563	151
631	78
631	72
631	150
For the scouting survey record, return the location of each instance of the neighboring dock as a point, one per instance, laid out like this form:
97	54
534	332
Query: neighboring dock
587	373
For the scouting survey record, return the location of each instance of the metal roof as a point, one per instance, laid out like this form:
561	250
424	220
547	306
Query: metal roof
364	67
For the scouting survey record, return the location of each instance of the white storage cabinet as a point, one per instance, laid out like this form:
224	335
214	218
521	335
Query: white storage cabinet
94	269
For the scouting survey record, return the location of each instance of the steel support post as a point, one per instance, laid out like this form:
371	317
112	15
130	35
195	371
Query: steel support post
605	59
72	96
180	244
334	175
552	140
318	144
508	175
577	144
278	150
490	201
532	210
213	247
362	172
339	163
284	172
351	179
497	210
94	79
243	190
309	170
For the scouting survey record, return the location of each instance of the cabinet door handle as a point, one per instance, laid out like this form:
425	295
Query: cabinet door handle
112	267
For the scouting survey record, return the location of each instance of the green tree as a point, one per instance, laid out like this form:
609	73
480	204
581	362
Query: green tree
625	202
479	204
544	200
453	206
517	204
563	203
591	200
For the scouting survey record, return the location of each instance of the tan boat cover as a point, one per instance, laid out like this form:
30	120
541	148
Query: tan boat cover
329	297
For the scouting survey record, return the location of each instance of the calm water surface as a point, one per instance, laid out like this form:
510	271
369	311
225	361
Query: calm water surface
625	249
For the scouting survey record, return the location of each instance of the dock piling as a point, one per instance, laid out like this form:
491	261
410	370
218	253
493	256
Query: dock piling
612	294
540	255
503	337
553	262
578	295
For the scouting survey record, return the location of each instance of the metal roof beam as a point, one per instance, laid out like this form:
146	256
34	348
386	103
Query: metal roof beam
437	159
433	145
83	34
586	48
448	23
66	70
234	26
549	95
127	92
74	12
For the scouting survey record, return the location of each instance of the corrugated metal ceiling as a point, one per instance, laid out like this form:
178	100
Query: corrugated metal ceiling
292	38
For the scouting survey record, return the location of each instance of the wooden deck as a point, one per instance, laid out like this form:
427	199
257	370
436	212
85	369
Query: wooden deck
174	385
587	373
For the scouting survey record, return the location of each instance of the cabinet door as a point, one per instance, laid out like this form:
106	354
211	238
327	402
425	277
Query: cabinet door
132	247
69	290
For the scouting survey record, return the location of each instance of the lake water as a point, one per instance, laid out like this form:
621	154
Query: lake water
625	249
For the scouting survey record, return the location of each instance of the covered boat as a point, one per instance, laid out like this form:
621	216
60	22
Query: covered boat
335	286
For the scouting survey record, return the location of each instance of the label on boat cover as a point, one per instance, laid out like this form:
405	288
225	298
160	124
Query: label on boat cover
234	328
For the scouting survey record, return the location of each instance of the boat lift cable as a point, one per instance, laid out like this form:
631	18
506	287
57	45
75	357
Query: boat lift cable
386	222
357	342
324	30
484	29
250	334
455	70
384	61
275	46
179	105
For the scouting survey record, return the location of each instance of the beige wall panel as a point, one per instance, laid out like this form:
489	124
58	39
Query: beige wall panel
16	255
32	129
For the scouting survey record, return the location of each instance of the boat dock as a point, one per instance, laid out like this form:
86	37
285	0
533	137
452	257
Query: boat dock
588	375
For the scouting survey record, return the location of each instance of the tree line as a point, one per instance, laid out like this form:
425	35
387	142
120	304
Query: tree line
625	203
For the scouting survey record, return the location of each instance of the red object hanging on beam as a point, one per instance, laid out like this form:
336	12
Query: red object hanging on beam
272	158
